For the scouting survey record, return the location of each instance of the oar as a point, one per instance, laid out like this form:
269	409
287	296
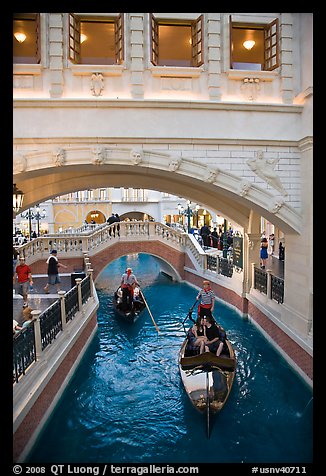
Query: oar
148	309
188	316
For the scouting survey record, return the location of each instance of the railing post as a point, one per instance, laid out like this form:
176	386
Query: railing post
37	332
253	275
80	304
269	283
90	273
63	309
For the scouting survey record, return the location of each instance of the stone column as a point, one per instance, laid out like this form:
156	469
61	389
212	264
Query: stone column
286	57
56	54
63	309
214	55
78	282
136	21
90	273
37	331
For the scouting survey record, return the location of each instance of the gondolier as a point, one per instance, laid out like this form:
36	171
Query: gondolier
128	283
207	300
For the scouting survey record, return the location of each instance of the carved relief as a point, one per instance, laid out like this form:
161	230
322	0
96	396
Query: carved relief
136	156
244	187
250	88
98	156
59	157
211	175
275	207
97	84
174	164
20	164
264	168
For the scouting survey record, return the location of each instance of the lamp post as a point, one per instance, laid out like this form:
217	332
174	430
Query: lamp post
38	215
225	241
189	212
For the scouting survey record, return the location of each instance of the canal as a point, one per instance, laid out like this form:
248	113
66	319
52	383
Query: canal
126	404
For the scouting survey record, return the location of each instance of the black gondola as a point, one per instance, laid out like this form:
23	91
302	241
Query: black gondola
207	378
127	307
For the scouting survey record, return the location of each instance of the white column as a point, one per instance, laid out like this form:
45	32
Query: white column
37	331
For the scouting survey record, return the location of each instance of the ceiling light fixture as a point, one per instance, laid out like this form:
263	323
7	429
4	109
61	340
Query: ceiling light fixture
249	44
20	37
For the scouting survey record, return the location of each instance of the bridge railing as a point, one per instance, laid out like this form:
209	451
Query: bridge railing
74	244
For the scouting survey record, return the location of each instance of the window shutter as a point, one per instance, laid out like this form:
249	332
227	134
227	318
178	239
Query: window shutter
38	39
271	46
197	36
154	39
118	36
74	38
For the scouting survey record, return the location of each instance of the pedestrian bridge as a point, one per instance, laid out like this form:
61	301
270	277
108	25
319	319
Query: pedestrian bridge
175	250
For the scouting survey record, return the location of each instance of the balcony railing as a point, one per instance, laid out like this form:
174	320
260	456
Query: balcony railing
267	283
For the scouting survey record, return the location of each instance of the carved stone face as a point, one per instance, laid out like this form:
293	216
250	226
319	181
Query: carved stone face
136	156
174	165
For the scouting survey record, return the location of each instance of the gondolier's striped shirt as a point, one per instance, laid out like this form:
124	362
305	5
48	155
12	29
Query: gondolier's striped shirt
206	296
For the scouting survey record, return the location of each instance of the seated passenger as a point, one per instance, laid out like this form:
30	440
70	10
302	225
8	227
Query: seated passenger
197	336
215	336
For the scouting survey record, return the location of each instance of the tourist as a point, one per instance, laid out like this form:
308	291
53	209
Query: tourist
215	338
53	271
23	274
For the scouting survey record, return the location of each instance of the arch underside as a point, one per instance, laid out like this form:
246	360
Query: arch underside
43	184
166	266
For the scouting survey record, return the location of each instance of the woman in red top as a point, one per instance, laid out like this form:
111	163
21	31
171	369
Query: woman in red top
24	275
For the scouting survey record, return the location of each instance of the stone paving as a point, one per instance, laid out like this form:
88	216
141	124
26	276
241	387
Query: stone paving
37	299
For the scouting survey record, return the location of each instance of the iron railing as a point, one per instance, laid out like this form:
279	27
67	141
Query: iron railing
24	346
24	351
275	289
50	323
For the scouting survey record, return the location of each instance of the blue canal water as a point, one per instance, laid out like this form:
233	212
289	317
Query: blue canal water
126	404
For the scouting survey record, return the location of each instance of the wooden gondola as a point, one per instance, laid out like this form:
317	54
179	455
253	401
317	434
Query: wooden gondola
207	378
129	310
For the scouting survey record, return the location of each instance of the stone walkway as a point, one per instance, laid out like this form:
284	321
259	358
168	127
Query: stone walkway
276	266
37	299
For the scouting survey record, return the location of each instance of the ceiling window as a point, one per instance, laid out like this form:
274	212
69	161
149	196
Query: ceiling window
254	46
176	43
95	40
26	38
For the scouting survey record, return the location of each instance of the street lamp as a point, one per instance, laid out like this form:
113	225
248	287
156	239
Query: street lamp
18	197
30	215
39	215
189	211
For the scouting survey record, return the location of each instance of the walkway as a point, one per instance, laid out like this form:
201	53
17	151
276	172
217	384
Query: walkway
37	299
276	266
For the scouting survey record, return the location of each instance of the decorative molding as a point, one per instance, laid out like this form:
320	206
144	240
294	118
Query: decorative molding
174	164
211	174
59	157
264	168
275	207
244	187
136	156
250	88
20	163
97	84
98	155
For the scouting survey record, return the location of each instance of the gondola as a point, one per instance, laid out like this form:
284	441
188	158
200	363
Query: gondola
127	309
207	378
